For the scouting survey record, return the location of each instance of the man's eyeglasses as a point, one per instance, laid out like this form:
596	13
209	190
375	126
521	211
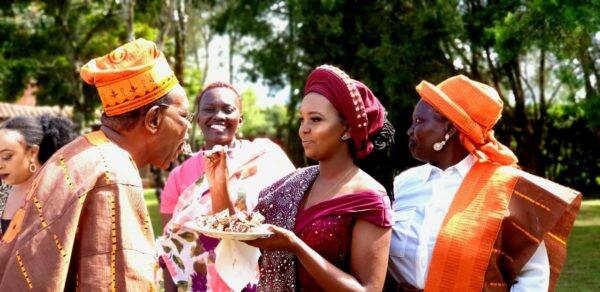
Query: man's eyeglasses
186	149
189	116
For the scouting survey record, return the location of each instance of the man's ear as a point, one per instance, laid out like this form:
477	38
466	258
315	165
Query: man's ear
241	119
153	119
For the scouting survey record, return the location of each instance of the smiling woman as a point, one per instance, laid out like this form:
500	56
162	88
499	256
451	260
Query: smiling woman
219	114
188	194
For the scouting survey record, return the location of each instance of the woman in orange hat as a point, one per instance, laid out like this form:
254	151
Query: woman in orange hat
469	219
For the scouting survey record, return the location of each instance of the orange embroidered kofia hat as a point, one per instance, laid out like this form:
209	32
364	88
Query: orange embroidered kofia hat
131	76
474	108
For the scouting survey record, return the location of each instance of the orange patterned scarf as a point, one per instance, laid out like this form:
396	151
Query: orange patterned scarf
464	244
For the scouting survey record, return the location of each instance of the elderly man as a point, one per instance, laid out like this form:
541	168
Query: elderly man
85	224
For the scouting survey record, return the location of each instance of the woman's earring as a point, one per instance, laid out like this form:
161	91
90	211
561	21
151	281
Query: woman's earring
346	136
32	166
439	145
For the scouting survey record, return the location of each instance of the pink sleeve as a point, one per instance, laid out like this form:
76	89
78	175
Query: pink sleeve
170	193
179	179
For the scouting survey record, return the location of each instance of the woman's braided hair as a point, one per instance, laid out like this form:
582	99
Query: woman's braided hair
376	164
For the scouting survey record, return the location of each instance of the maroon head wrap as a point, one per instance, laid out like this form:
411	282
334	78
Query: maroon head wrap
355	101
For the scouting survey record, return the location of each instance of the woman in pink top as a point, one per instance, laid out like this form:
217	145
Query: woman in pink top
187	256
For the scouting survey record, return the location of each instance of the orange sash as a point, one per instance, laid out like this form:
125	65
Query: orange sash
465	241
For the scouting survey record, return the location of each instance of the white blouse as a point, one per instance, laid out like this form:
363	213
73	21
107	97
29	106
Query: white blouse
422	197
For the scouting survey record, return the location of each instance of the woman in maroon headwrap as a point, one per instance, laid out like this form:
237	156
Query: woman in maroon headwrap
331	221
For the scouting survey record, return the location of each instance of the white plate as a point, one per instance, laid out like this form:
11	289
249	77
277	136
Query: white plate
235	235
261	233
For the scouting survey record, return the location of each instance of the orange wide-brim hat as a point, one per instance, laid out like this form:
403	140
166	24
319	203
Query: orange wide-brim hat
131	76
474	108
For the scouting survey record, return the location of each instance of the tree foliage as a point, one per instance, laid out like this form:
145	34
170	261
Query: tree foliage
48	41
541	56
261	121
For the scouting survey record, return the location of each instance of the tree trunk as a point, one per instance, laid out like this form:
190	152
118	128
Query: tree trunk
587	66
205	67
542	80
129	10
520	124
164	23
232	48
520	116
292	137
180	35
540	128
475	64
587	63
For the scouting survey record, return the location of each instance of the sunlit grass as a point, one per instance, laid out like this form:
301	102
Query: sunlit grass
582	269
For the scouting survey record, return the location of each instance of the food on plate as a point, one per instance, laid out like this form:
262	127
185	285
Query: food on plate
242	221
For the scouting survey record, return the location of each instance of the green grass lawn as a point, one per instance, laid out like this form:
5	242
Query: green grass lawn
582	269
580	273
152	203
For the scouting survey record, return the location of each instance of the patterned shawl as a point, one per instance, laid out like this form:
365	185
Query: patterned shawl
188	255
279	204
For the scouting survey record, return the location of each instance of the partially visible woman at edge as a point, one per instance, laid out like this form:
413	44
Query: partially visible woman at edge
332	221
26	143
253	166
469	219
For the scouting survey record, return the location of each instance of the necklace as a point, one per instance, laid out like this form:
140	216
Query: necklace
333	187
